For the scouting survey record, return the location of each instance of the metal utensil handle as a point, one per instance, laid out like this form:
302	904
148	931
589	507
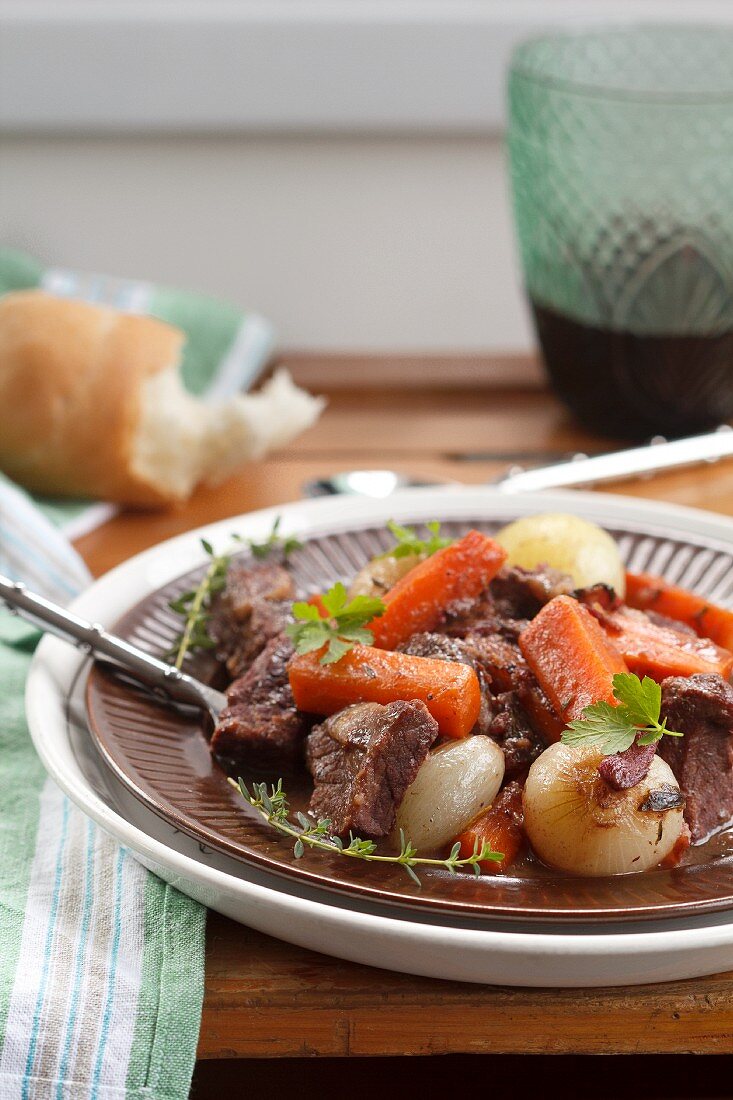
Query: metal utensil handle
93	638
583	470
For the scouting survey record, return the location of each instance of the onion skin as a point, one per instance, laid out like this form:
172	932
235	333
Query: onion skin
567	543
381	574
576	823
453	786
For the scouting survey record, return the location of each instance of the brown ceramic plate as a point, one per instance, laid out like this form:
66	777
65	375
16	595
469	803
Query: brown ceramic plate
162	756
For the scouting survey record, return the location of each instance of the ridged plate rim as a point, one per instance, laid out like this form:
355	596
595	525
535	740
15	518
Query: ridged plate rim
545	912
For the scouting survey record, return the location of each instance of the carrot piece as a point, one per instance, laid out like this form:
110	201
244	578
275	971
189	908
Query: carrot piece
417	601
649	593
501	826
660	651
571	657
450	691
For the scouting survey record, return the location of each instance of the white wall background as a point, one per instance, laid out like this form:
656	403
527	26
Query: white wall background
400	243
346	241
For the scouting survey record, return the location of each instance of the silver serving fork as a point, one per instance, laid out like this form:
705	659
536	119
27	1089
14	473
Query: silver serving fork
92	638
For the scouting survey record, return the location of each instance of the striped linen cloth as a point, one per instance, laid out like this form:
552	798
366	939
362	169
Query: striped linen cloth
101	963
225	349
101	968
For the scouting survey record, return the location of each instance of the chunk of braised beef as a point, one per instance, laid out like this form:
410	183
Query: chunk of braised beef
514	597
500	657
701	708
517	700
511	729
520	593
480	616
266	680
443	648
362	761
261	730
524	720
248	582
623	770
600	597
251	609
510	673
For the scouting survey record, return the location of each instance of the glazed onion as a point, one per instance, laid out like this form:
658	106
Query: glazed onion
381	574
567	543
453	786
577	823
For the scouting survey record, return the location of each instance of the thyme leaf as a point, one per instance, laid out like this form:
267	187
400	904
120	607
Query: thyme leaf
195	606
408	542
273	807
284	544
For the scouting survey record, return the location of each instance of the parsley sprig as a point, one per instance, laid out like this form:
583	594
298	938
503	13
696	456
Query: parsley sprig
273	806
614	729
343	627
409	543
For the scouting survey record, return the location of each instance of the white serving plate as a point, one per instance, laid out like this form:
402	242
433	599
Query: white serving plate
439	946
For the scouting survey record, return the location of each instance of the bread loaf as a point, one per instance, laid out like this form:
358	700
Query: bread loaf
92	405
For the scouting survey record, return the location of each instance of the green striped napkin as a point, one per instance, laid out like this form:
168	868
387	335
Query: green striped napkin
102	963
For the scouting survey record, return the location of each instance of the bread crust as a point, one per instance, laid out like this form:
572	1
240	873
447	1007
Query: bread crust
71	375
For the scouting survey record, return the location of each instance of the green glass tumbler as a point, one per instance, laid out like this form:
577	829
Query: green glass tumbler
621	156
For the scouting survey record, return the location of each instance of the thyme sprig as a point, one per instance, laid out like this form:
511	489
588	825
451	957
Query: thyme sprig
195	606
408	543
274	808
284	544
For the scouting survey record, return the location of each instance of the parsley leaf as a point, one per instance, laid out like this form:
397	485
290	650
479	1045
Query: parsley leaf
335	599
642	698
614	729
408	542
344	626
603	726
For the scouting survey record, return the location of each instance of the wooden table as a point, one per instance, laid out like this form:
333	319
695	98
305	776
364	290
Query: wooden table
464	419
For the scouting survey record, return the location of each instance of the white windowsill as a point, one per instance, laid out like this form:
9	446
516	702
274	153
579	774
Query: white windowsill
279	66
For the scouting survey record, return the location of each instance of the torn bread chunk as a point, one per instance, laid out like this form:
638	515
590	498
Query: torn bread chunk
182	441
92	405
